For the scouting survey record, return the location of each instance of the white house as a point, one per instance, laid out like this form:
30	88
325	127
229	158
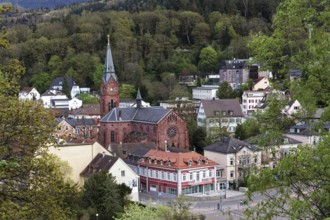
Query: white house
213	114
50	95
205	92
75	103
250	99
261	84
117	168
29	93
59	82
235	156
292	108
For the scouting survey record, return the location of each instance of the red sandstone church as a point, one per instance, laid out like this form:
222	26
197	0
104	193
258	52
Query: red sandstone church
163	127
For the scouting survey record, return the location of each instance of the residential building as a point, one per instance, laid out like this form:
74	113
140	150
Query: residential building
250	100
205	92
177	173
78	156
50	95
303	133
86	111
117	168
68	128
275	150
236	156
295	74
221	113
136	124
261	84
29	93
58	84
292	108
188	80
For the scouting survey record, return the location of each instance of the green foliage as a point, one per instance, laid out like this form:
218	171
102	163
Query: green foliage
208	59
127	91
88	98
248	129
225	91
65	88
198	139
301	185
102	195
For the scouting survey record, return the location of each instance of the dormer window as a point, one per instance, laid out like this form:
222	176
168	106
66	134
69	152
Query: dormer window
189	163
169	163
155	161
224	113
161	162
149	160
198	162
206	161
230	112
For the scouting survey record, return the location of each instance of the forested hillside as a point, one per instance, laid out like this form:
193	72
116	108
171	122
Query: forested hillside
153	42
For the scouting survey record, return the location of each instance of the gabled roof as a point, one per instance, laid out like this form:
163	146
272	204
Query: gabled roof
222	105
53	93
78	122
59	81
27	89
87	109
149	115
178	160
229	145
100	163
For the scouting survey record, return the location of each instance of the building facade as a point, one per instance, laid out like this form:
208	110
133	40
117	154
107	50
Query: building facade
250	100
177	173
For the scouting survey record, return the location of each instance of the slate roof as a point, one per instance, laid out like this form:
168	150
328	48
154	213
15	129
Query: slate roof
59	81
233	64
99	163
229	145
109	68
78	122
148	115
220	105
295	72
87	109
178	160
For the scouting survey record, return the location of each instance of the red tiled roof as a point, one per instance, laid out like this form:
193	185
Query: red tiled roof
179	160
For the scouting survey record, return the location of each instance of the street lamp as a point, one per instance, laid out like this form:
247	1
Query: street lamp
97	216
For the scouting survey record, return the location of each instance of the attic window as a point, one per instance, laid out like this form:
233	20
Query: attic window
224	113
206	161
149	160
198	162
155	161
161	162
230	112
169	163
189	163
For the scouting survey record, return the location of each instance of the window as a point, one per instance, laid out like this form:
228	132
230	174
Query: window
150	173
156	174
155	161
189	163
191	176
197	176
174	177
204	174
198	162
169	163
168	176
163	175
123	173
76	130
210	173
206	161
231	174
219	173
184	177
66	128
231	161
112	136
232	120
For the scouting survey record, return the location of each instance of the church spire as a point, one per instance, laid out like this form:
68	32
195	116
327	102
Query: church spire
109	68
138	99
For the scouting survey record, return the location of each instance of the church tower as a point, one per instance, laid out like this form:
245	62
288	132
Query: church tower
109	97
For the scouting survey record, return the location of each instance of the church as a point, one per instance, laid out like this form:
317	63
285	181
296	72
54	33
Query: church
138	124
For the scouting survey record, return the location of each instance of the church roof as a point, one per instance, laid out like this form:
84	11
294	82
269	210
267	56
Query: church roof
148	115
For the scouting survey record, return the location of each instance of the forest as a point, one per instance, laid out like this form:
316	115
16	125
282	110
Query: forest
153	42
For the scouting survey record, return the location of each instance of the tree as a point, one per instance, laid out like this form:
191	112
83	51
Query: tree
208	59
127	91
102	195
135	211
199	139
225	91
301	185
248	129
65	88
32	182
88	98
